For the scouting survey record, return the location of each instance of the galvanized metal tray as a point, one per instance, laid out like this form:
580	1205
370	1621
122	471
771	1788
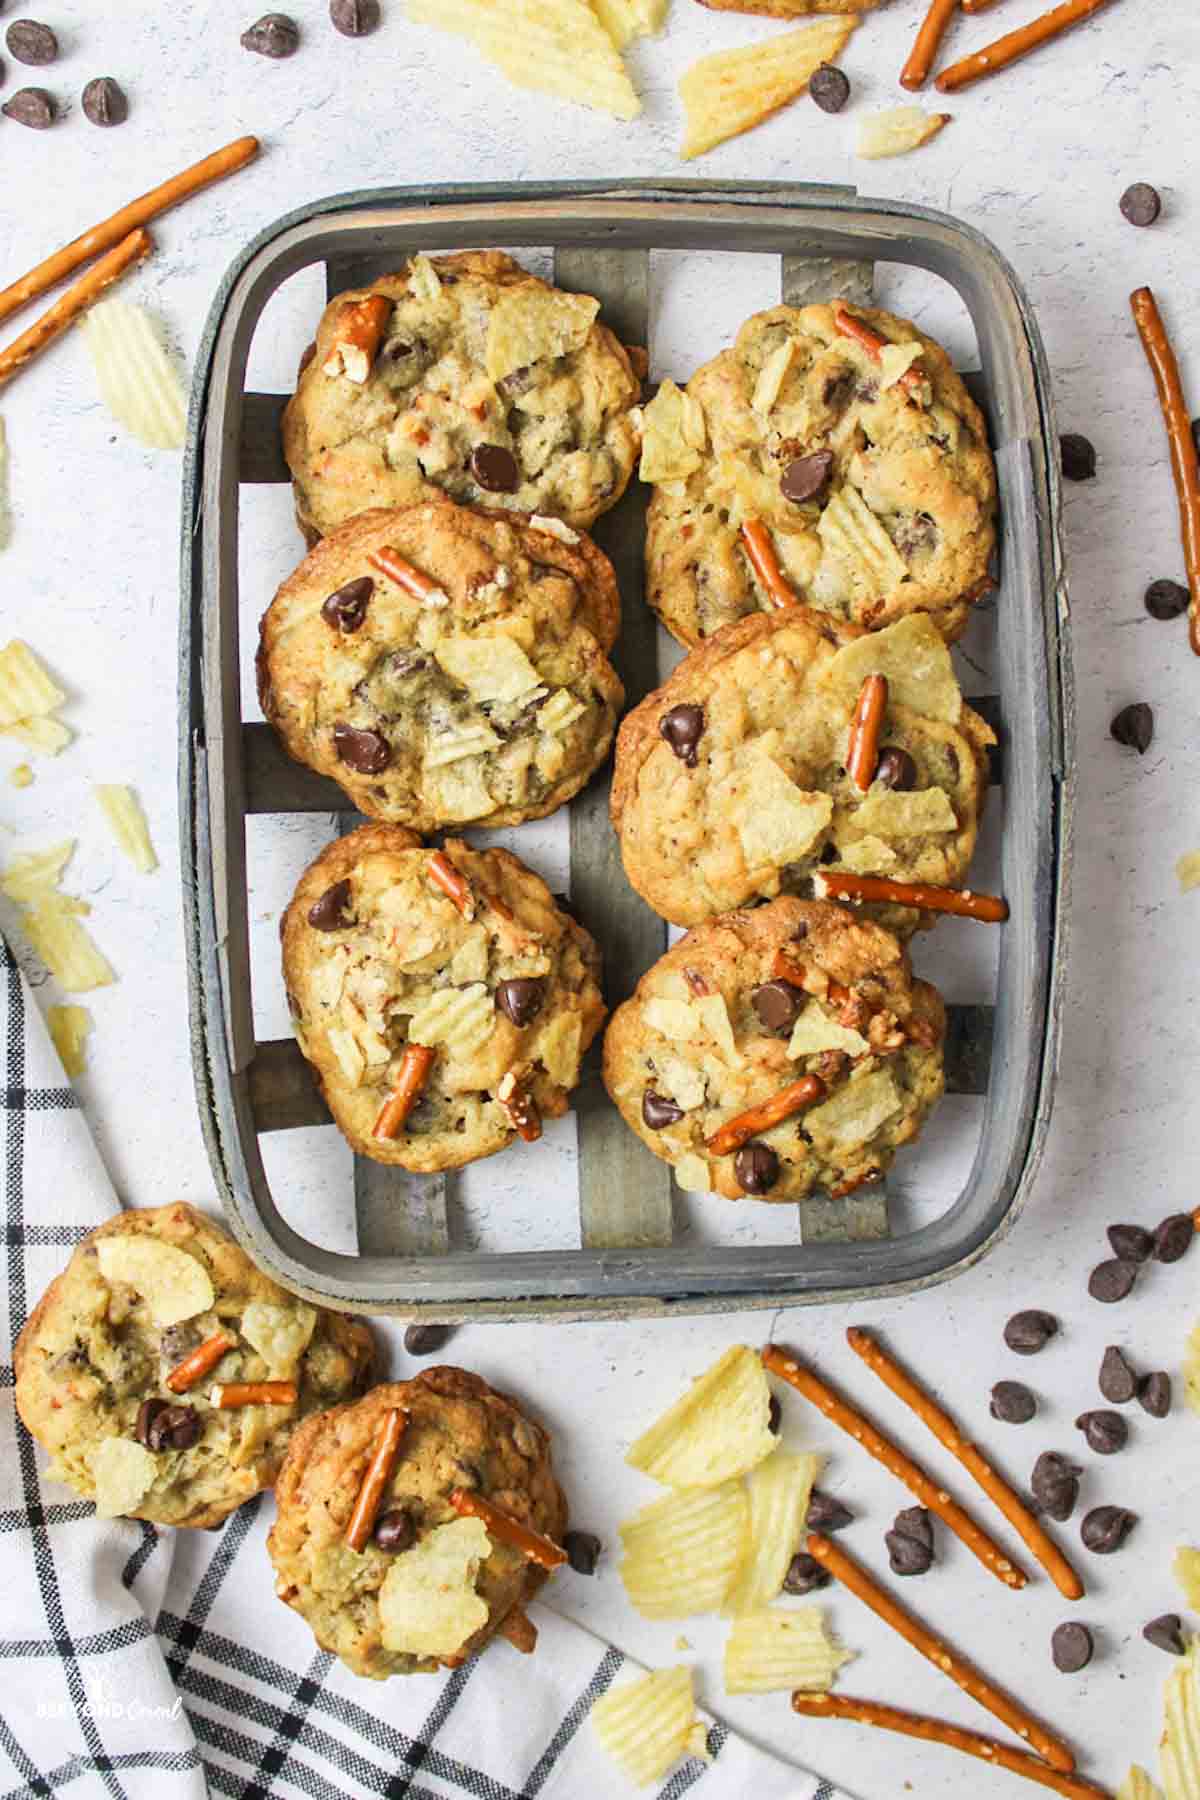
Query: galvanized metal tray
601	234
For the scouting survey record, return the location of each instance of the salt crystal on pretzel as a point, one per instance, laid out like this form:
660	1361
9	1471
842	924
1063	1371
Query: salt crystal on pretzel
862	754
504	1529
361	1522
1009	49
839	884
760	551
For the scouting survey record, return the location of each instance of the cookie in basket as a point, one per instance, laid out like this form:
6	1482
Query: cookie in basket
165	1374
445	666
468	373
442	997
778	1050
380	1543
736	779
832	455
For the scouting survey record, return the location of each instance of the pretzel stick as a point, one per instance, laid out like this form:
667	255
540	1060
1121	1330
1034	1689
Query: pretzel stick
839	884
915	72
936	1731
253	1393
361	1522
397	568
199	1363
976	6
413	1073
507	1530
360	328
76	300
739	1130
864	334
857	1181
1185	466
840	1413
970	1679
762	558
1016	44
948	1435
519	1108
520	1631
453	884
161	199
862	755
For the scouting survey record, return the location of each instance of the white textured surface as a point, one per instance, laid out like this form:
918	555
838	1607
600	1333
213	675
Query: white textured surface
1036	159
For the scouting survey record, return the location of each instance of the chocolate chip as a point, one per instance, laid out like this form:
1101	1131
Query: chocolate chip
346	607
756	1168
806	476
915	1522
774	1414
1054	1484
1166	1633
104	102
1106	1432
910	1542
683	727
273	35
368	752
148	1412
1111	1281
424	1340
826	1514
1155	1394
31	43
1029	1332
354	18
1078	456
1166	599
394	1529
829	88
1134	726
1118	1382
1140	203
334	910
805	1574
659	1111
163	1426
521	998
1071	1647
777	1004
1131	1243
1105	1528
1174	1237
896	769
583	1551
1012	1403
495	469
31	106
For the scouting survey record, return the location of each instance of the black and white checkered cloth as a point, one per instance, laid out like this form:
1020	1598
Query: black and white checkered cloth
156	1665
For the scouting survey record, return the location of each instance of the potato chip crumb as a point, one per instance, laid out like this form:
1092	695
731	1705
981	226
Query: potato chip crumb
1187	871
69	1028
123	810
1179	1747
899	129
682	1643
21	776
1137	1785
27	688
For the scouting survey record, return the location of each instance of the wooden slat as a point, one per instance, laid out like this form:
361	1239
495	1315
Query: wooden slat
260	452
968	1050
805	280
276	784
399	1214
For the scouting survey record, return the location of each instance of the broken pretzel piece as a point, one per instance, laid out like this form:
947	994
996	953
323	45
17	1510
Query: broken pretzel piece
873	344
455	886
760	551
1185	465
519	1108
254	1393
199	1363
361	1522
506	1530
397	568
862	755
739	1130
359	328
838	884
415	1065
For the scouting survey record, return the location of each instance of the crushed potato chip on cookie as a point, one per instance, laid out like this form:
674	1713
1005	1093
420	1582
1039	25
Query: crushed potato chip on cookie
174	1285
528	327
854	1113
815	1032
674	435
428	1605
912	654
123	1473
280	1334
717	1430
897	813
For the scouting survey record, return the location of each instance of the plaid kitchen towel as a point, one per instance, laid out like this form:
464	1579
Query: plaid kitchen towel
158	1665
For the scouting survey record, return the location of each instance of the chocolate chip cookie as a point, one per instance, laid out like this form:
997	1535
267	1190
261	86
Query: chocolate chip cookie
466	373
445	666
843	440
429	1588
165	1374
448	978
779	1050
731	781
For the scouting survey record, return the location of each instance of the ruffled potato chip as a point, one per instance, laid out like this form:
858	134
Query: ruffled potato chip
27	688
560	712
778	1491
853	535
686	1085
913	656
49	735
681	1551
424	282
35	873
854	1113
427	1604
1187	871
691	1175
1137	1785
461	1018
674	435
717	1430
776	821
280	1333
647	1725
898	130
494	670
675	1019
776	1650
57	937
772	375
714	1015
69	1029
733	90
123	1473
814	1032
1191	1370
1179	1746
472	740
626	19
867	856
526	328
123	810
556	1047
893	813
470	961
1186	1569
137	381
174	1285
896	360
351	1058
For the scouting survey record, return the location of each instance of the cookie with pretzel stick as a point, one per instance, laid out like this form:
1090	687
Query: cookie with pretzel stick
465	373
445	666
778	1050
416	1523
790	745
831	457
165	1374
442	997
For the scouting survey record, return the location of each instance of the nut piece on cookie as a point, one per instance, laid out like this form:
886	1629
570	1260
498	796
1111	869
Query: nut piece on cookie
446	666
111	1367
444	1004
779	1050
845	436
430	1586
468	374
733	782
